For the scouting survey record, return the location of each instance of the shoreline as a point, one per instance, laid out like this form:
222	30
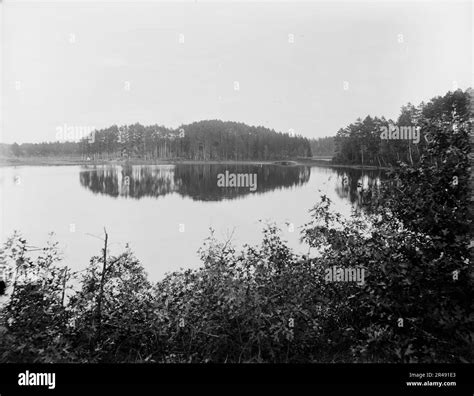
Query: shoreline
67	161
328	164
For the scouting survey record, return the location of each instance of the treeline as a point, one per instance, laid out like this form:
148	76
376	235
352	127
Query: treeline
203	140
361	142
45	149
323	147
265	303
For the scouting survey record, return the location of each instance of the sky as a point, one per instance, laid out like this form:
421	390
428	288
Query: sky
312	67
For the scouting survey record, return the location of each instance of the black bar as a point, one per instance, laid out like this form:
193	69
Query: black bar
393	377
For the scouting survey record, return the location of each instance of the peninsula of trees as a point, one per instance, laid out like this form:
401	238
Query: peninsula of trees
201	141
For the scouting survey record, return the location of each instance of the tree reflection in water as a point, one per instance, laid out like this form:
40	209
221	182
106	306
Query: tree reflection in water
198	182
355	185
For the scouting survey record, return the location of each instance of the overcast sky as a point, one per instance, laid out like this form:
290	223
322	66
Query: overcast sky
71	63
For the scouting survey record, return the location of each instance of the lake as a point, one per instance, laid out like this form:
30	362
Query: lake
165	212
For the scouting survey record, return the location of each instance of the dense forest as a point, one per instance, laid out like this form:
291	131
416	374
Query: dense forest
361	142
203	140
322	147
265	303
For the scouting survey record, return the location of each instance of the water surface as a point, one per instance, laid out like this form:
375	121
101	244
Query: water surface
165	212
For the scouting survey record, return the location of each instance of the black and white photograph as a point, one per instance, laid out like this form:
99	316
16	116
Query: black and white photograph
236	186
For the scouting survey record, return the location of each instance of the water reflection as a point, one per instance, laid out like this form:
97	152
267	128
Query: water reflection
198	182
356	185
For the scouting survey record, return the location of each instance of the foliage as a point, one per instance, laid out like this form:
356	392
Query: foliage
361	142
35	318
123	326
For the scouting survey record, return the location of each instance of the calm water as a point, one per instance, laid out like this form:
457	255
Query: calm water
164	212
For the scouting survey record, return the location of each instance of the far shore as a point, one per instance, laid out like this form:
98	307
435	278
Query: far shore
68	161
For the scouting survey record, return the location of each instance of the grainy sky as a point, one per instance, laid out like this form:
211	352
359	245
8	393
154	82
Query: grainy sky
96	63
